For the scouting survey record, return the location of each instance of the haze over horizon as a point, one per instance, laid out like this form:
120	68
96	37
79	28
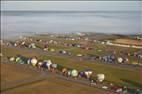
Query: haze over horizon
19	23
71	5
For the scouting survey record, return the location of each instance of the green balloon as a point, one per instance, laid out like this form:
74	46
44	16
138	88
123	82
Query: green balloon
18	59
74	73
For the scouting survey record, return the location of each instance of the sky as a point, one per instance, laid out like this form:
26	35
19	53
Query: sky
72	5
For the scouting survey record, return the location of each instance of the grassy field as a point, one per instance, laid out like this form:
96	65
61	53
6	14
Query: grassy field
50	85
116	74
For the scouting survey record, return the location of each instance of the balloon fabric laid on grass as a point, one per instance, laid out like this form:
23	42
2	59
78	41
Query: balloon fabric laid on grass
74	73
100	77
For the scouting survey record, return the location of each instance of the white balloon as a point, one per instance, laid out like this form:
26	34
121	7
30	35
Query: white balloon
12	59
34	61
54	65
74	73
120	60
88	73
100	77
29	61
39	63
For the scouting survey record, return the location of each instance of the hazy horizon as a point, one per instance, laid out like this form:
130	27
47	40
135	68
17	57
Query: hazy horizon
110	17
72	5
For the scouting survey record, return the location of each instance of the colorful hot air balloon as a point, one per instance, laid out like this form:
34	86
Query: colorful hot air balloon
46	64
88	73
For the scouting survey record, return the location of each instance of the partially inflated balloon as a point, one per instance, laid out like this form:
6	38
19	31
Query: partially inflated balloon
34	61
74	73
100	77
12	59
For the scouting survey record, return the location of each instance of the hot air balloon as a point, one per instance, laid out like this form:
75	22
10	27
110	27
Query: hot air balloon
18	60
54	66
29	61
100	77
12	59
46	64
120	60
81	74
74	73
64	71
34	61
69	73
39	64
88	73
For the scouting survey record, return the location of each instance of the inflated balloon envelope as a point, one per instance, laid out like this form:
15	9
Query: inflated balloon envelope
18	60
120	60
64	70
34	61
74	73
54	65
47	63
100	77
12	59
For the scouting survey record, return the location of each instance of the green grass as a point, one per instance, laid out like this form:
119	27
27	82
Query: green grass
113	73
123	76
